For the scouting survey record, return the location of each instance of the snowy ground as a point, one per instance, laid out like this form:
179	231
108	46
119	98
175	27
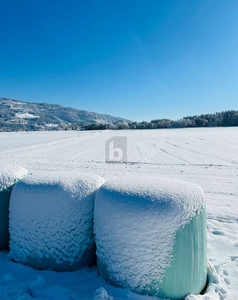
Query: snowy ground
207	157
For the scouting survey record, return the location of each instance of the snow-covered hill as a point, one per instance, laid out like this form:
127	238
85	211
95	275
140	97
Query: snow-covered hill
17	115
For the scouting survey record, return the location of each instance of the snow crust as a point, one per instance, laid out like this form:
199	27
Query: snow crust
51	220
142	218
9	174
101	294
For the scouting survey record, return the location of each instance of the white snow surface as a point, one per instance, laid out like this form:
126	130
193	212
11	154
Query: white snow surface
51	216
26	116
9	174
101	294
150	212
205	156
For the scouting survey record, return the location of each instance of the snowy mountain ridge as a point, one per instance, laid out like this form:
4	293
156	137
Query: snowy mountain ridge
16	115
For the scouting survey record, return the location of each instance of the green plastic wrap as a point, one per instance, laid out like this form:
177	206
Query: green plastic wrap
188	271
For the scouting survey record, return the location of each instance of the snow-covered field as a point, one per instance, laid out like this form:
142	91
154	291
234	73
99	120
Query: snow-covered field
207	157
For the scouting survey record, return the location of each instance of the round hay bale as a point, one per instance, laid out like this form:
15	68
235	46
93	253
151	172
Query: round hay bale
51	220
9	175
151	236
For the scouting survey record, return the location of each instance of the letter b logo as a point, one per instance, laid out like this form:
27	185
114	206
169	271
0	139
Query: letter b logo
116	149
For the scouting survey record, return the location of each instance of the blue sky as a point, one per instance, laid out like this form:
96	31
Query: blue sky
136	59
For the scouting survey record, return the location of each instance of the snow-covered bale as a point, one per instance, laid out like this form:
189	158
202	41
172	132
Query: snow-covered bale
9	174
151	236
51	220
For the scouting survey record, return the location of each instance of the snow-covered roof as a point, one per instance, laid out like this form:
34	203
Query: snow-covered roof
26	116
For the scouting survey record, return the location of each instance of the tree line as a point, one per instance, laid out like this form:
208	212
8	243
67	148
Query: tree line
221	119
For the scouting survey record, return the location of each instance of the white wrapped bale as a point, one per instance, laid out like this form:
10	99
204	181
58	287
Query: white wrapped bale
51	220
151	236
9	174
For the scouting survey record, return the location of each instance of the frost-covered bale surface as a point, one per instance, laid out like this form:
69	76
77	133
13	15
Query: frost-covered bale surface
9	174
51	220
151	236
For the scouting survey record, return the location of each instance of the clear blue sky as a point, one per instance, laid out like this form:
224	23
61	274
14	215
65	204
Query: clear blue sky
136	59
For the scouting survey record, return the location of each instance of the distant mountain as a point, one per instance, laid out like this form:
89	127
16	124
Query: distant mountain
18	115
